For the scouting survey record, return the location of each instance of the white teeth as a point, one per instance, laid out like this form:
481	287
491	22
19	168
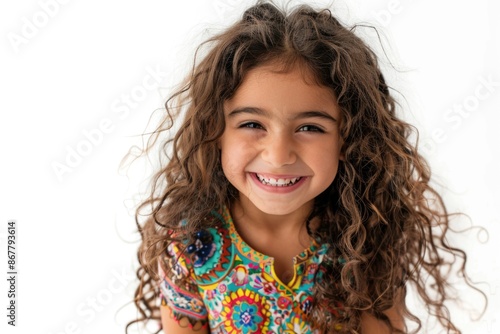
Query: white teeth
277	182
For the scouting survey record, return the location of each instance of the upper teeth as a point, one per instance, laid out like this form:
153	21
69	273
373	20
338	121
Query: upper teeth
277	182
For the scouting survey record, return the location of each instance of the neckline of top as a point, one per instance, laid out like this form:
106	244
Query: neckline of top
225	217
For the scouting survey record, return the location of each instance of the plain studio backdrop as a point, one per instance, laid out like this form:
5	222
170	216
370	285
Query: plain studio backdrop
80	79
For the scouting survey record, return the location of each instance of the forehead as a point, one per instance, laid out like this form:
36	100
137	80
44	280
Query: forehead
269	87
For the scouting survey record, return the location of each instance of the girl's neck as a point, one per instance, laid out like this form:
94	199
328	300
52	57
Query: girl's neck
281	237
246	214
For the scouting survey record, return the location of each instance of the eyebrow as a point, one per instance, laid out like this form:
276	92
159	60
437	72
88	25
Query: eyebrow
299	115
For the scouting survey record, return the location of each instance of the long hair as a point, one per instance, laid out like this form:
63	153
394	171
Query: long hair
386	225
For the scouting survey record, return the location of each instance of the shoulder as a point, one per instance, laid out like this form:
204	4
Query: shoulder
212	250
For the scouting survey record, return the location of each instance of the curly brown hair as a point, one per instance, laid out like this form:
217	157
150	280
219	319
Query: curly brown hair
381	214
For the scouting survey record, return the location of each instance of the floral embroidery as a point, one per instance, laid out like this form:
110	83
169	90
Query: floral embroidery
234	288
267	287
245	312
306	305
284	302
297	326
203	248
240	275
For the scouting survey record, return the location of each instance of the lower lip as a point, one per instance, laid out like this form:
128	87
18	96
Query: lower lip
278	189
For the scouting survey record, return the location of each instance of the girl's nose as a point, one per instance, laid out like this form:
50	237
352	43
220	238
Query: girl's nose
279	151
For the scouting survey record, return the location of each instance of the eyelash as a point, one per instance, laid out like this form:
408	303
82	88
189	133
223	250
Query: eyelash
255	125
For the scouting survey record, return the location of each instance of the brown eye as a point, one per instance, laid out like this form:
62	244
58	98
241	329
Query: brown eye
251	125
311	128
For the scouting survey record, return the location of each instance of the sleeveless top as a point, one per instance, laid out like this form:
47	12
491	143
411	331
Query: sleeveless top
234	288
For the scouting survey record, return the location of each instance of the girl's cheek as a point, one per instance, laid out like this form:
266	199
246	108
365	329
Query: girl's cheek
229	167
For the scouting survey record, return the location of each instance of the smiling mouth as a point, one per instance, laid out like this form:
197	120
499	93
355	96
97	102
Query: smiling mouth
269	181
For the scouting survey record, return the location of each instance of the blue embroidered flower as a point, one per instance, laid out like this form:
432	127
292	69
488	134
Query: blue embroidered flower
245	317
202	248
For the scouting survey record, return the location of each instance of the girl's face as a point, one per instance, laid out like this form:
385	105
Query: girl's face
281	144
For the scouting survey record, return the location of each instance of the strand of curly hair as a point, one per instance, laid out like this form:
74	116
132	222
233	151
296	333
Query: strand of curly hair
381	215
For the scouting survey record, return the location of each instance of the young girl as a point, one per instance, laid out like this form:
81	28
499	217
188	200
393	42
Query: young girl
293	201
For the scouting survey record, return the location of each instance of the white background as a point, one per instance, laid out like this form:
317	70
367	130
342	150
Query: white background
67	67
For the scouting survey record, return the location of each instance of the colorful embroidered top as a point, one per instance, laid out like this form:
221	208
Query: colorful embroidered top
235	287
